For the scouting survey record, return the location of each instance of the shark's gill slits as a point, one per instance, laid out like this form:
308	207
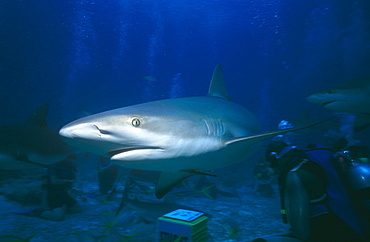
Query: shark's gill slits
215	127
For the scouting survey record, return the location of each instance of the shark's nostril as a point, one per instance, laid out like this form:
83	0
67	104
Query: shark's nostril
102	131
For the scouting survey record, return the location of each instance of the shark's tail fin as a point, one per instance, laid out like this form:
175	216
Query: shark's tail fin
218	87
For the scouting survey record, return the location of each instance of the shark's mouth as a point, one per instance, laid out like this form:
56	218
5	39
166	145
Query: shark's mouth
330	102
120	151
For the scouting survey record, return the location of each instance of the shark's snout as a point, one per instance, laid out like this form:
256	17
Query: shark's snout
67	131
73	131
315	98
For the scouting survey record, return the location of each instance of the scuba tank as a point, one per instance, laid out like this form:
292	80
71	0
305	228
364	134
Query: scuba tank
355	174
358	175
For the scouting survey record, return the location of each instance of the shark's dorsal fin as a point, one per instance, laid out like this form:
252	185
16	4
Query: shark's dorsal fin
39	116
218	87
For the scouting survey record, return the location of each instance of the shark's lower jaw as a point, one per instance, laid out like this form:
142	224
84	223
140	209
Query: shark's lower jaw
116	152
133	152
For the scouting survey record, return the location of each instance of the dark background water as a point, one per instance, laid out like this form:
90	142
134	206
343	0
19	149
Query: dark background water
87	56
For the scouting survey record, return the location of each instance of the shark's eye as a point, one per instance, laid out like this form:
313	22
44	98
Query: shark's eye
135	122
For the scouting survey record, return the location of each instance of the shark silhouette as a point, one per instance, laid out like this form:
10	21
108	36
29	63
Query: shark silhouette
178	137
31	144
350	97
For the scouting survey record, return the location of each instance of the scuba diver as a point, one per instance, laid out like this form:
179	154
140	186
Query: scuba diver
108	175
56	200
263	175
314	199
57	182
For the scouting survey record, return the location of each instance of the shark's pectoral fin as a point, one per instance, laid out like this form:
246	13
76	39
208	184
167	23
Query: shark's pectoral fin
251	140
167	181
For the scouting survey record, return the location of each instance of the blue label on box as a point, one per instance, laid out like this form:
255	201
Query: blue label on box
184	215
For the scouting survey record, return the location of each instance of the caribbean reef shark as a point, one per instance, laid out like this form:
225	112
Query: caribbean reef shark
178	137
31	144
349	97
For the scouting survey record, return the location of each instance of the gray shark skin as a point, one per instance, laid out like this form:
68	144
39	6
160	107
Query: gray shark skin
178	137
31	144
349	97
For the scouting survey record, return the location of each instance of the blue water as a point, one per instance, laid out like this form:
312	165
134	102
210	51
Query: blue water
87	56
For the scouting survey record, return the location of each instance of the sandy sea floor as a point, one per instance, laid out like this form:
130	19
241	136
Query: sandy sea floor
232	219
